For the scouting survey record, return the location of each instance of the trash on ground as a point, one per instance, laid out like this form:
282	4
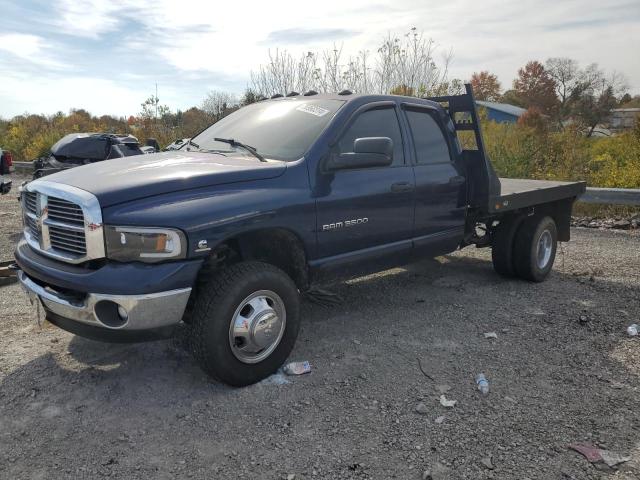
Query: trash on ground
483	383
422	408
632	330
486	461
583	319
612	458
447	403
491	335
277	378
591	453
597	455
440	419
297	368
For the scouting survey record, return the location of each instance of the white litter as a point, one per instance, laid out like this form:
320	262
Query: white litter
447	403
278	378
297	368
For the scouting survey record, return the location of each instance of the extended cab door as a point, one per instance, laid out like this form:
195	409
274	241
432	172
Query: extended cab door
440	185
366	213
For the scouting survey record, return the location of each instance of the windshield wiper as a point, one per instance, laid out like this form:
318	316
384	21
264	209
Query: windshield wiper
192	143
248	148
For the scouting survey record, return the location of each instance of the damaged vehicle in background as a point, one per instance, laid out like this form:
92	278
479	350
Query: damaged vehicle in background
176	145
78	149
6	162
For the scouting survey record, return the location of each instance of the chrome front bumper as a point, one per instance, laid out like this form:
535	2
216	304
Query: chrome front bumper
143	312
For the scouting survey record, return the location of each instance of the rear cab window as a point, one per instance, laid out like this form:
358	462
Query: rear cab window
428	138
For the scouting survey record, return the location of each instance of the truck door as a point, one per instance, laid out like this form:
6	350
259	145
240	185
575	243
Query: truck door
366	213
440	186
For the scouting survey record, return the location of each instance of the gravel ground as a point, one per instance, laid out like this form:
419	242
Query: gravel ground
561	370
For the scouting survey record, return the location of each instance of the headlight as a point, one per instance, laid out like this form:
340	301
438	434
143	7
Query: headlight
142	244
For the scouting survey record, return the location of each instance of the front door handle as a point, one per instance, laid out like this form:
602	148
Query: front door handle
456	181
401	187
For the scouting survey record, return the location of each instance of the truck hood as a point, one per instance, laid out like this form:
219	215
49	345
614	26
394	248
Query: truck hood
124	179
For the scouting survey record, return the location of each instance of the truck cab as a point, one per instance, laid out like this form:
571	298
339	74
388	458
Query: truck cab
224	234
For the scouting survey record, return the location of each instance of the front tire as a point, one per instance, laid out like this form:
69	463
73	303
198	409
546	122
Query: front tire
245	322
535	248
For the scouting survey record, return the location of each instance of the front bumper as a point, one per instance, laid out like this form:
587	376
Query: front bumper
94	315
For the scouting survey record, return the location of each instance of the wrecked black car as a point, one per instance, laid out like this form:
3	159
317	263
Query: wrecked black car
78	149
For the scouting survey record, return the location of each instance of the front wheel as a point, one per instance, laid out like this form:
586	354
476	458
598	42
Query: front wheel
245	322
535	248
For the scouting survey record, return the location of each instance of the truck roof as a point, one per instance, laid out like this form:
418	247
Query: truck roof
348	97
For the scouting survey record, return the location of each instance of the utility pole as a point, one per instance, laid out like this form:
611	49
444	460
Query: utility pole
156	102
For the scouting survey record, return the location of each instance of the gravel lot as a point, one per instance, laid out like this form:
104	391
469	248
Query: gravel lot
73	408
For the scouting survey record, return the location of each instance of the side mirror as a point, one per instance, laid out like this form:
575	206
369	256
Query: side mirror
367	152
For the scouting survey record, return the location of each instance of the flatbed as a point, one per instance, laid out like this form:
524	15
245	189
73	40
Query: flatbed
516	193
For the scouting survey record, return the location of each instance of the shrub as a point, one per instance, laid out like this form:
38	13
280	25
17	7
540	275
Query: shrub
524	150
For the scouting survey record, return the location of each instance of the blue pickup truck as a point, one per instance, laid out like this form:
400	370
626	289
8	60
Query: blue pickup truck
224	234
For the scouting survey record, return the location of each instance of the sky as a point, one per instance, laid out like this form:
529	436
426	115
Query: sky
107	55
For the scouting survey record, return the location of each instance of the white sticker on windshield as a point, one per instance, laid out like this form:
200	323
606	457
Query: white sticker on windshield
313	109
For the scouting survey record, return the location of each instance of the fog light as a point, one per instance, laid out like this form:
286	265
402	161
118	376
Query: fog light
122	313
111	314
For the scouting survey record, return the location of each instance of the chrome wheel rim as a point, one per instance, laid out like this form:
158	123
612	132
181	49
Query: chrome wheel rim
545	248
257	326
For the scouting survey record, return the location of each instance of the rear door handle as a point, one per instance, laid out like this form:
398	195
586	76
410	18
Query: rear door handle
456	181
401	187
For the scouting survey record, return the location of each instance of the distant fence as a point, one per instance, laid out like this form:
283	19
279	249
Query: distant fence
613	196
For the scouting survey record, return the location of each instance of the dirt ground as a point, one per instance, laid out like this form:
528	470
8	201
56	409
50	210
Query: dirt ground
561	370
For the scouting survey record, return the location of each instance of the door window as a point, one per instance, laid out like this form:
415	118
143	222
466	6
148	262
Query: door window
379	122
430	143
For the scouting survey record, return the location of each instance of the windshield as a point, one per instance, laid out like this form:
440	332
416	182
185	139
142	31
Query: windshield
281	130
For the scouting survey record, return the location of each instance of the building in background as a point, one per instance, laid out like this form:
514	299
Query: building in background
623	118
501	112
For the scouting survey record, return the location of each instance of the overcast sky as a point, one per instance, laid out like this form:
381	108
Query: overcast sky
106	56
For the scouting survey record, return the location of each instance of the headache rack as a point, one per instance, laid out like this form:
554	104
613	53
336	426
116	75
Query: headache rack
483	183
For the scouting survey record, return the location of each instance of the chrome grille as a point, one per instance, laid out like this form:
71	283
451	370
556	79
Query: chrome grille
30	201
65	212
67	240
62	221
32	226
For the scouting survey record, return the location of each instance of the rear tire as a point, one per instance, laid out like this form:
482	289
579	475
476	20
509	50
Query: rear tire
535	248
245	321
502	246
